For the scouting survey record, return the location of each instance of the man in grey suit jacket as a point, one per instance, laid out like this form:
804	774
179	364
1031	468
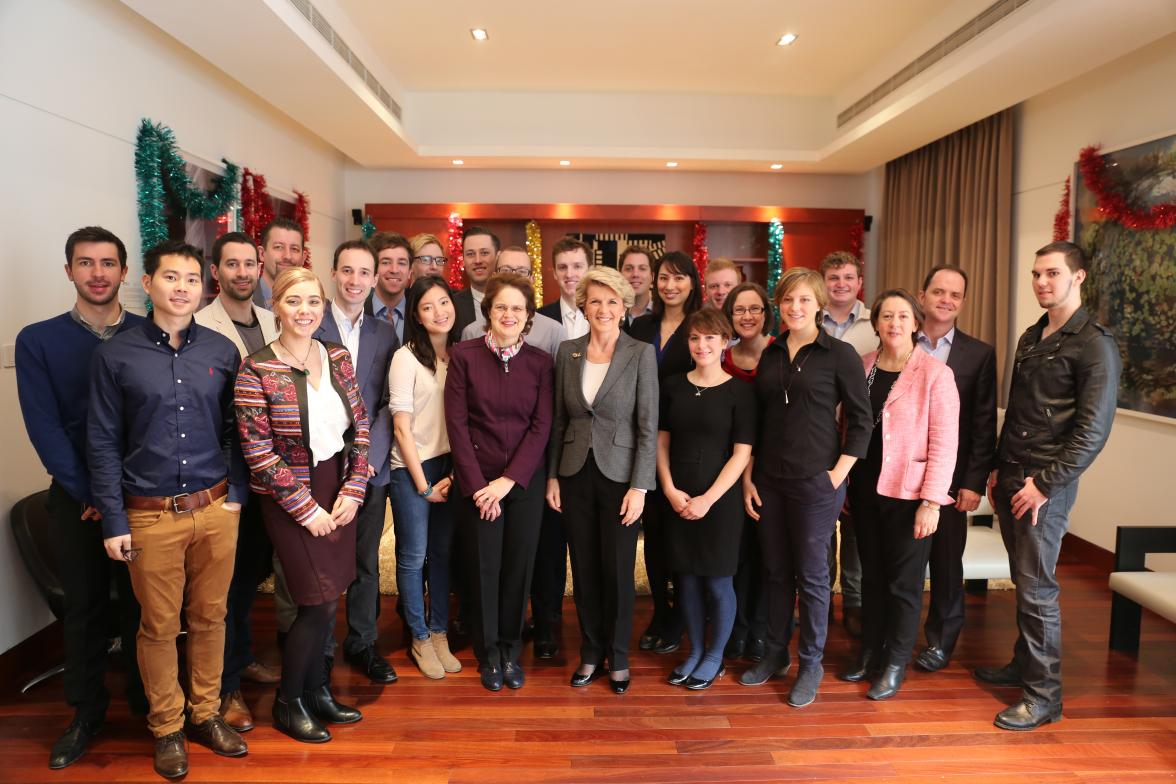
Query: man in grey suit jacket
372	343
235	314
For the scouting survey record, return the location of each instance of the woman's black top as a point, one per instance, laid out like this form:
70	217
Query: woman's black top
672	358
798	398
870	469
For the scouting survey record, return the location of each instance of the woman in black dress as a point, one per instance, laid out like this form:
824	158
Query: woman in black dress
676	294
706	429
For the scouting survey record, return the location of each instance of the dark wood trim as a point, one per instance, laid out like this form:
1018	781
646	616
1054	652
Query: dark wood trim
611	212
30	657
1075	548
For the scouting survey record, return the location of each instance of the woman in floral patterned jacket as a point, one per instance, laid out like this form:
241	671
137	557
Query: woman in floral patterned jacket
304	433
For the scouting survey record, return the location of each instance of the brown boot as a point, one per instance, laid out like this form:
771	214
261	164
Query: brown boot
220	737
262	673
425	656
441	645
171	755
235	712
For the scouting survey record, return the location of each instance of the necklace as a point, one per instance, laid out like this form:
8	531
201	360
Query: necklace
698	390
870	383
795	370
302	363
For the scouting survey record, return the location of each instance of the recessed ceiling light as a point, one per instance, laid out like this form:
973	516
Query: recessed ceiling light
458	162
777	166
787	39
480	34
565	163
671	164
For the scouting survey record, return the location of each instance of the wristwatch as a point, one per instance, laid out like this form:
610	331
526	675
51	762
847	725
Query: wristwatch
934	507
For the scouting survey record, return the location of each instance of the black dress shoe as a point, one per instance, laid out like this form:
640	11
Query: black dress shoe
1026	715
369	661
888	682
73	743
513	675
756	648
1008	675
932	659
579	680
677	678
171	755
326	708
648	639
546	643
735	648
292	718
668	645
492	678
698	684
866	667
619	686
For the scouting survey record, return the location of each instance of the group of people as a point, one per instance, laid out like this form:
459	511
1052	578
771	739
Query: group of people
192	453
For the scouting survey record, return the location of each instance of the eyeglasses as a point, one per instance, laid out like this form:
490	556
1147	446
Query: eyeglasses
753	310
514	310
524	271
431	261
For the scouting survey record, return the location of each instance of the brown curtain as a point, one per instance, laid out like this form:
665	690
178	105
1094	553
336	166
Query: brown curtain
950	202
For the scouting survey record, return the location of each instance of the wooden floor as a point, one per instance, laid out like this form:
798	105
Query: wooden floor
1120	720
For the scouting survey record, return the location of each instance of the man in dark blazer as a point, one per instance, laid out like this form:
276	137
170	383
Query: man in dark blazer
479	249
371	342
974	365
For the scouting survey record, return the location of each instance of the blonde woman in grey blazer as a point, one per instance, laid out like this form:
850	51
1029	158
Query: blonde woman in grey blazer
601	462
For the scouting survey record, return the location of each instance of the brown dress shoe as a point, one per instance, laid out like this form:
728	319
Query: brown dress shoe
171	755
220	737
262	673
235	712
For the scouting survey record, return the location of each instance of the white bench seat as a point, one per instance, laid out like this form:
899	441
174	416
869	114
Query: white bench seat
1154	590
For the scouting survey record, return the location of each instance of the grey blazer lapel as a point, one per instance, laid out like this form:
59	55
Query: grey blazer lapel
575	368
625	352
367	350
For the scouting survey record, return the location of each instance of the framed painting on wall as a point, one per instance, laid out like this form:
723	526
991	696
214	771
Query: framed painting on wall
1131	284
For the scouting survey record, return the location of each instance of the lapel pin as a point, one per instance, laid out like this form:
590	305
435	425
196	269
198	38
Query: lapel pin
576	355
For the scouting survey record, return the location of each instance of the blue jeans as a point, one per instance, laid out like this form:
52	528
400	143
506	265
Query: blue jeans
423	529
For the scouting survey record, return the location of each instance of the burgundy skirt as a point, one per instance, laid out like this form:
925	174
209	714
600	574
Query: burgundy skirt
318	568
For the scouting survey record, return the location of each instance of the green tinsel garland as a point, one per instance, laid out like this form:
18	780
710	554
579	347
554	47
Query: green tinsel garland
159	167
775	257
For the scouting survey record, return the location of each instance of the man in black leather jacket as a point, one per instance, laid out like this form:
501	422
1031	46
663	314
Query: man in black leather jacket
1061	405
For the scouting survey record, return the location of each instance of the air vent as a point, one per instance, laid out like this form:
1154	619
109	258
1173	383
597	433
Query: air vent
977	25
320	23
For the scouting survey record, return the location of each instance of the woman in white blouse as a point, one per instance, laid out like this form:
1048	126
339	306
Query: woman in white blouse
601	462
422	517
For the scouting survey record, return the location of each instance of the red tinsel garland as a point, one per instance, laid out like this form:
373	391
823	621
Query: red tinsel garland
456	268
857	246
1061	230
1112	205
302	216
257	210
701	253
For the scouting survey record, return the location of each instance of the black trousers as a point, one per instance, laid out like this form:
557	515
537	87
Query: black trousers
796	521
945	616
893	565
551	574
363	595
91	614
1033	559
667	620
253	563
503	555
603	555
751	606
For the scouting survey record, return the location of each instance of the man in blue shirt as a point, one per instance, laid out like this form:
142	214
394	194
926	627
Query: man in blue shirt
167	475
393	274
53	383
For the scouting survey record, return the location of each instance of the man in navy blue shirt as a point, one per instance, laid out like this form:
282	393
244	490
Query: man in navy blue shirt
53	383
168	477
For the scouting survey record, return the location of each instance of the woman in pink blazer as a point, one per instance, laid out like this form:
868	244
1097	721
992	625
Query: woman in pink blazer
896	492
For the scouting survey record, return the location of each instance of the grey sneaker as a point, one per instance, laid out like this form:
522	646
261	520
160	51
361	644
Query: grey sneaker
766	668
804	691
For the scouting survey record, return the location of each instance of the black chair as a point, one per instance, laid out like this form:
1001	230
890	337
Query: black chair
30	525
1130	589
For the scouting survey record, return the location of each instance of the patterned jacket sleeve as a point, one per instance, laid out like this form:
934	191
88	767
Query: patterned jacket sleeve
257	445
356	485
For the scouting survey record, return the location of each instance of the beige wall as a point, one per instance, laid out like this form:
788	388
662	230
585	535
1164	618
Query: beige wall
75	79
1124	103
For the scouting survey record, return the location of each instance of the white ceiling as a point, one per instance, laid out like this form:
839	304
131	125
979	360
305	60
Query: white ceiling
630	84
658	46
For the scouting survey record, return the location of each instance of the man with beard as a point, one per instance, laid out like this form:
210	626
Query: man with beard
479	250
53	383
393	274
283	246
235	315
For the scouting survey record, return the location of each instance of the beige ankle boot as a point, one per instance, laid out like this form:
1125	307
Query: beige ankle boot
426	659
441	646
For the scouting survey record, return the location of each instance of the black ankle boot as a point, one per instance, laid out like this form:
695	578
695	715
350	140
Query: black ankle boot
292	718
326	708
865	668
888	682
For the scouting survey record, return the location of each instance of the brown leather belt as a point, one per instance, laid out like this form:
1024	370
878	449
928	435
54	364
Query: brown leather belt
184	502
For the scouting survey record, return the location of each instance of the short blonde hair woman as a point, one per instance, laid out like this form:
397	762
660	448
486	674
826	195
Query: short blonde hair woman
604	276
